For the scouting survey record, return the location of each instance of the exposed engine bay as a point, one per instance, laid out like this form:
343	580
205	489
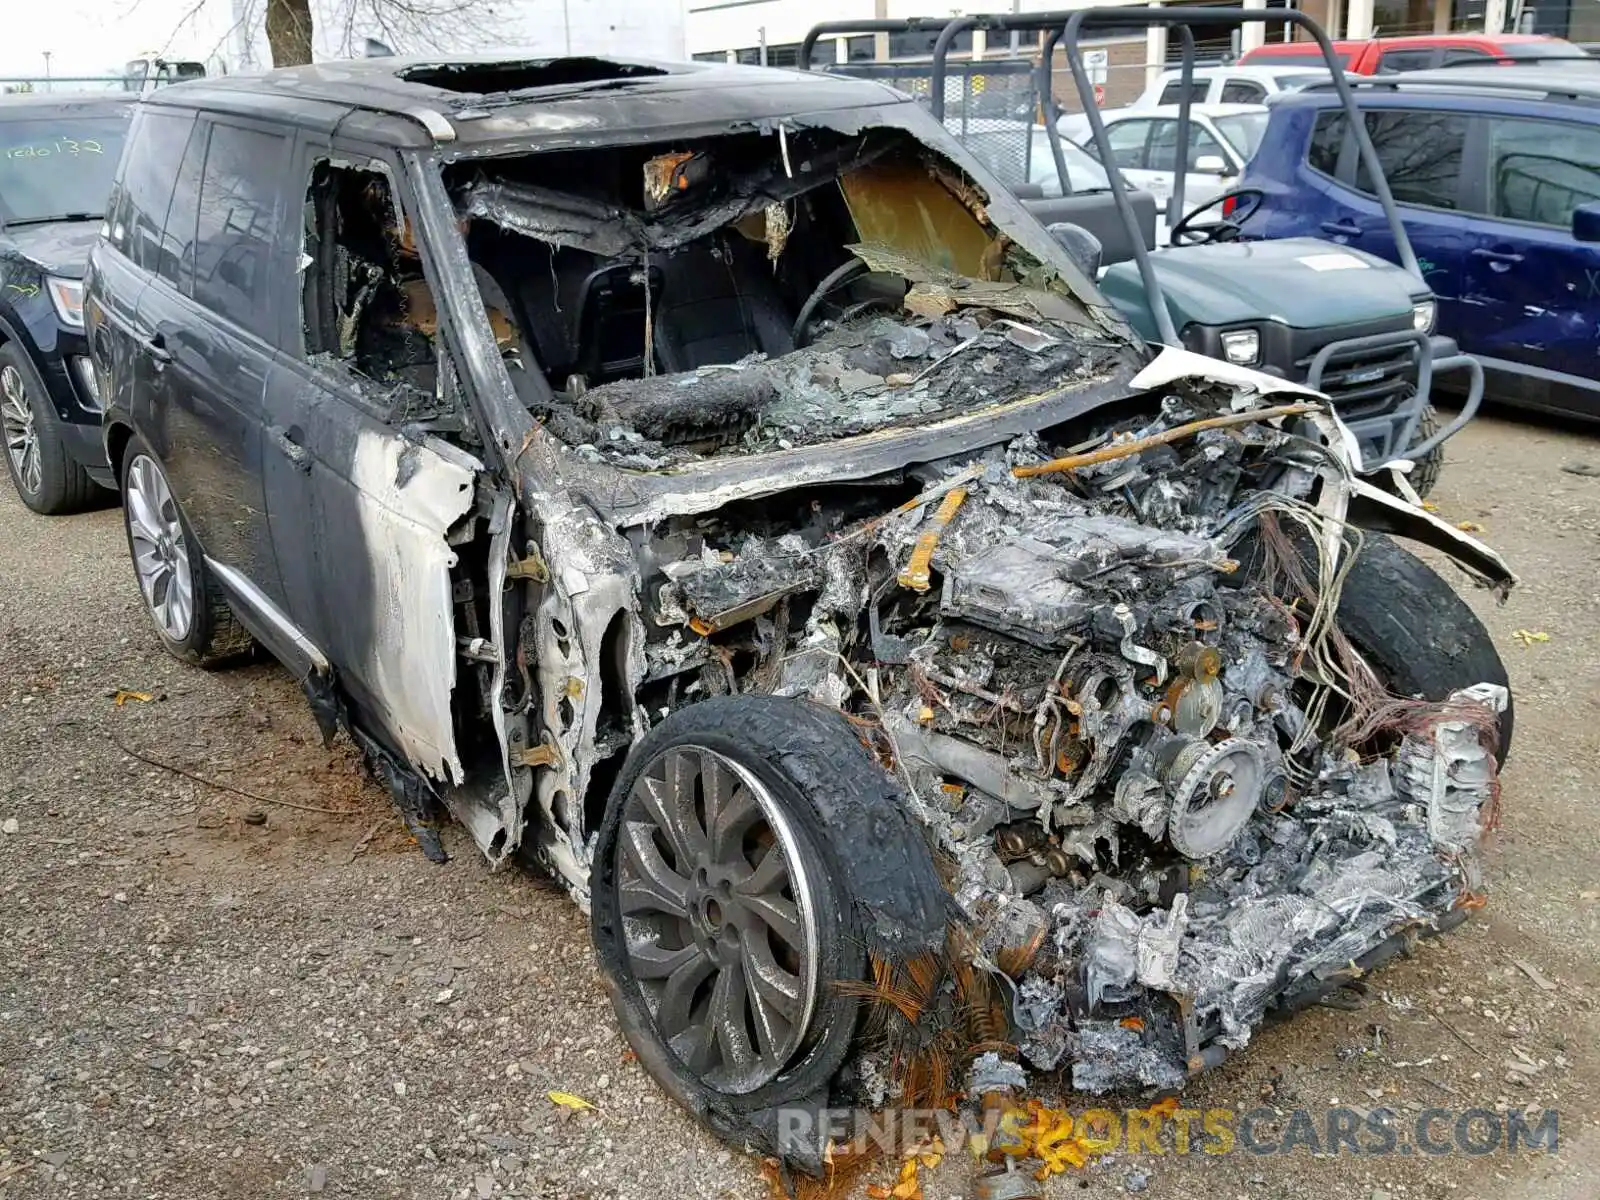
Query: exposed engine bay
1117	701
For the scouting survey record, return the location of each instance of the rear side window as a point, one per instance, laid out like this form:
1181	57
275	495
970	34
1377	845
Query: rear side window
1327	138
1127	143
1405	60
235	224
1242	91
1539	171
1465	54
1173	92
1420	153
175	260
1164	146
138	211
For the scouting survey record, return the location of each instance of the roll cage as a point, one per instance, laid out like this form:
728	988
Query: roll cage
1067	28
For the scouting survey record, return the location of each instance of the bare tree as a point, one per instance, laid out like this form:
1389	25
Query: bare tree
406	25
289	32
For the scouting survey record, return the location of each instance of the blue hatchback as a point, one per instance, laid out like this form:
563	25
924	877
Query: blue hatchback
1496	171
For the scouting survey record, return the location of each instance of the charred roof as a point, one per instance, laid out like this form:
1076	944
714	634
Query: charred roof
496	98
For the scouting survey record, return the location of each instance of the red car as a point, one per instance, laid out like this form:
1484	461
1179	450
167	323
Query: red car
1384	56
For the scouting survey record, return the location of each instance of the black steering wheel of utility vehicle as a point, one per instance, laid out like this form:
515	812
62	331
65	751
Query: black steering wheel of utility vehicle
1190	232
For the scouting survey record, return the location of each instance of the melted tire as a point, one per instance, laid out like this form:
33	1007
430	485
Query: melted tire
832	795
1415	631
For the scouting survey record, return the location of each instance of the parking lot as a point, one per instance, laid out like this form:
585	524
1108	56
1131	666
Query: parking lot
266	991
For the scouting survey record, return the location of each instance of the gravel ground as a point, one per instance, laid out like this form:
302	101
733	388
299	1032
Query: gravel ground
207	995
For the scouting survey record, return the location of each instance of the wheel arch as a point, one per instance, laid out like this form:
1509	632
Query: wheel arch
118	436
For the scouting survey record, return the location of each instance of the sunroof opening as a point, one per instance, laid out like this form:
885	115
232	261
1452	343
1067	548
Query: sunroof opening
485	79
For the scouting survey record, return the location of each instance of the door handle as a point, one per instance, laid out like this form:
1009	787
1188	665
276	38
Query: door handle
1498	258
156	344
1348	228
286	444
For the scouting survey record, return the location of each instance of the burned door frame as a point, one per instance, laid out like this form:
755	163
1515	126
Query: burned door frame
361	507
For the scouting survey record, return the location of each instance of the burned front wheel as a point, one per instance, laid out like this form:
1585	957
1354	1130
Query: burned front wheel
727	900
1415	631
719	911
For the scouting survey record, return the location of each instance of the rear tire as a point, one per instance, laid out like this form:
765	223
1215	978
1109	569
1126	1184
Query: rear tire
192	616
48	479
1415	631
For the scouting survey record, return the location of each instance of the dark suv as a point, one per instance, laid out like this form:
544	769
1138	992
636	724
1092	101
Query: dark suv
667	470
57	158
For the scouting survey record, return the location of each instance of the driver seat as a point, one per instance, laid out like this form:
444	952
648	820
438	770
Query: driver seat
719	304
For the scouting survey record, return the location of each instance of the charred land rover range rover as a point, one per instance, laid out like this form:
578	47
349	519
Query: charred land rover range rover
709	484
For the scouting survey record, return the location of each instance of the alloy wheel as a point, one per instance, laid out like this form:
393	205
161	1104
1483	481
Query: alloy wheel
21	434
719	920
160	553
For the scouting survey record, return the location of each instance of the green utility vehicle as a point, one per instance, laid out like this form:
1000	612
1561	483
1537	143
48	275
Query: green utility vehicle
1333	318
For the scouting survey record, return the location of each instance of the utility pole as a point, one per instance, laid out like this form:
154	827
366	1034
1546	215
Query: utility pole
47	70
762	34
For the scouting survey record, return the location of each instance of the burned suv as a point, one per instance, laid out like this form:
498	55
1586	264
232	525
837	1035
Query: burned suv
707	483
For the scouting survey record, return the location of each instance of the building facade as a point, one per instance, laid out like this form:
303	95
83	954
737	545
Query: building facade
770	31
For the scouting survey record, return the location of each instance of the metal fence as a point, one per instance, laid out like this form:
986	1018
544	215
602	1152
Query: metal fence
990	105
36	85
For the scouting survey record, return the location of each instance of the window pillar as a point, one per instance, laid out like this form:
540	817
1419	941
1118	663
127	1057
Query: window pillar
1358	20
1253	34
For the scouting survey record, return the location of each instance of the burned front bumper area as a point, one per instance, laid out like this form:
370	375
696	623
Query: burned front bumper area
1166	793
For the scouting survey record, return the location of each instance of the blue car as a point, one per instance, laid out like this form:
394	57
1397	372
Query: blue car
1496	171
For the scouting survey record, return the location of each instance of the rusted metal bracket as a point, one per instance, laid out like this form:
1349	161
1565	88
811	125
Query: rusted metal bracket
533	568
546	754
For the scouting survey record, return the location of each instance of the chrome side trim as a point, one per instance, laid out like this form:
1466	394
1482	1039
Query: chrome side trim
270	613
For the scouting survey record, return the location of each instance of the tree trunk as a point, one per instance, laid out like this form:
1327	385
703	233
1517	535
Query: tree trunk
289	32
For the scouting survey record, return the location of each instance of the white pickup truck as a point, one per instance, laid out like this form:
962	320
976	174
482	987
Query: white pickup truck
1229	85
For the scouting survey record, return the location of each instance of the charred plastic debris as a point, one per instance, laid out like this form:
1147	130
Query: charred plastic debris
1166	796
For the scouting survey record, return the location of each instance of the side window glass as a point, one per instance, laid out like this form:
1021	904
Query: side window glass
1327	138
175	263
1127	144
234	226
1164	146
139	211
1464	54
1539	171
1242	91
1173	92
1420	153
1405	60
365	303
